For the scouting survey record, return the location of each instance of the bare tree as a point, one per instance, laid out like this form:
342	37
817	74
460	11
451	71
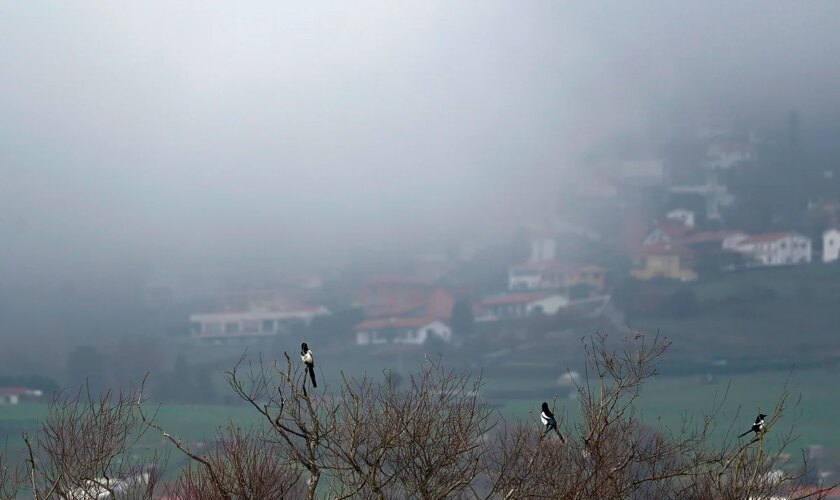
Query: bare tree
244	465
84	449
298	422
445	431
10	479
359	446
611	453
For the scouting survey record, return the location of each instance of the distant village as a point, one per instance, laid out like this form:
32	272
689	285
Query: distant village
693	211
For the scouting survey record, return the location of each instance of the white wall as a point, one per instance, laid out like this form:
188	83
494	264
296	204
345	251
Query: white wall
11	399
416	336
831	245
543	249
524	279
549	305
791	249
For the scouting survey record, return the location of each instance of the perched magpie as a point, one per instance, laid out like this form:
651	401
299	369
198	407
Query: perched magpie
758	427
550	423
309	361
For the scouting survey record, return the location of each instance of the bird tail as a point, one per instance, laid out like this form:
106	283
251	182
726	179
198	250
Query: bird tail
312	376
562	440
744	434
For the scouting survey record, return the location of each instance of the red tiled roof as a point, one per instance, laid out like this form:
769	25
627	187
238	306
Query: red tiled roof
248	310
389	310
515	298
13	391
766	238
382	323
440	304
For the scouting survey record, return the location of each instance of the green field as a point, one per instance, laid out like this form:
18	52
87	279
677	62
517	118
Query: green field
791	311
663	403
666	400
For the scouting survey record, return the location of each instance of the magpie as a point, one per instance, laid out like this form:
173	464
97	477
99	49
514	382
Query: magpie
550	423
309	361
758	427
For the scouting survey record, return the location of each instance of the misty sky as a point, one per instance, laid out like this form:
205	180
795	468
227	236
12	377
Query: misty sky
176	133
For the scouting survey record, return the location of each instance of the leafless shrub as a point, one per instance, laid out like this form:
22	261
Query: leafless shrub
84	449
358	448
443	432
244	465
10	479
611	453
298	422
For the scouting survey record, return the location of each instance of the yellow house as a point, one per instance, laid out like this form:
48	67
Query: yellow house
665	261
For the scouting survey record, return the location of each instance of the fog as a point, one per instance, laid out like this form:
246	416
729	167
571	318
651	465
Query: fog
196	135
175	132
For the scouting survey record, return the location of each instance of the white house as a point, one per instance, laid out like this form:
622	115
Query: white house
552	275
250	323
728	154
12	395
401	331
549	305
831	245
518	305
542	249
771	249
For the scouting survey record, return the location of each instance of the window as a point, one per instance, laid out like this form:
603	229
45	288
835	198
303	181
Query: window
231	327
268	325
213	328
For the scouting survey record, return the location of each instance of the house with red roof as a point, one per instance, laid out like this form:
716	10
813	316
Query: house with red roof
403	311
12	395
554	275
250	322
391	295
771	249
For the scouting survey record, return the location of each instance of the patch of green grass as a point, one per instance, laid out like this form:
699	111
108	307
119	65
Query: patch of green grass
665	401
766	312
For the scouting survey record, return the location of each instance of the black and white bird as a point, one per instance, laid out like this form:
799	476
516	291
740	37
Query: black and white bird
309	361
550	423
758	427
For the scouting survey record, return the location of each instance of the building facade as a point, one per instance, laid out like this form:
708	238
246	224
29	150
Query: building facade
831	245
772	249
